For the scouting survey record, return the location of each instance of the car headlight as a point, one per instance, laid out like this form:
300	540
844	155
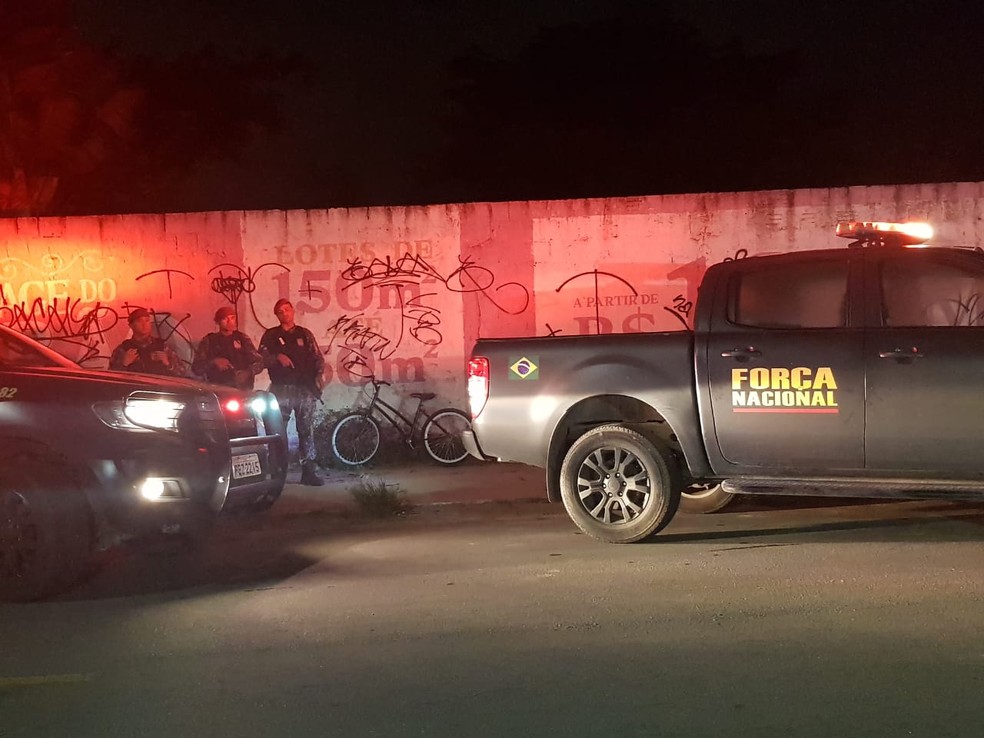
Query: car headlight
141	412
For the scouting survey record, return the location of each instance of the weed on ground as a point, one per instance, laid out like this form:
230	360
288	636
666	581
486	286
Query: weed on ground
375	498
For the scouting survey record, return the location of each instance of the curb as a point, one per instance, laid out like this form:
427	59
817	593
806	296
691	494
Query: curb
425	484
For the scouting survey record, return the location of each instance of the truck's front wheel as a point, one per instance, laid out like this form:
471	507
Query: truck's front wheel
617	485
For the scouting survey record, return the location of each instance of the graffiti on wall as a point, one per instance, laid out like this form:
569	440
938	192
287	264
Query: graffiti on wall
167	275
73	305
407	287
167	325
382	307
62	302
602	324
385	308
68	325
601	302
658	297
241	281
388	311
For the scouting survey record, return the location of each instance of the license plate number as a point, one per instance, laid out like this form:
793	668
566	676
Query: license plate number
247	465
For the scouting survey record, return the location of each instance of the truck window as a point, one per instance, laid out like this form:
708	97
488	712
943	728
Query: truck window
794	295
941	290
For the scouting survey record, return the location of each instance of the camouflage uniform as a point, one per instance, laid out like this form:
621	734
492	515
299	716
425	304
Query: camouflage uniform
296	387
238	349
144	363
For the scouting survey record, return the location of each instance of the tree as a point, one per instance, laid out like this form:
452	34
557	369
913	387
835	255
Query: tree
64	108
88	130
197	111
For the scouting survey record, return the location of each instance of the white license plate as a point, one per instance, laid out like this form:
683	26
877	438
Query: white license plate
247	465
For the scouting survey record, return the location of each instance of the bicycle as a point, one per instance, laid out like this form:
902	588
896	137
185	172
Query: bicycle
355	438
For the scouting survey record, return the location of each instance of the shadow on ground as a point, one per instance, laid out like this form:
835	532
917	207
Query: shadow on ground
258	551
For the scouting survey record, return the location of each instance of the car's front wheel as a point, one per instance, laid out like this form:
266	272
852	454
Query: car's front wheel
617	485
45	528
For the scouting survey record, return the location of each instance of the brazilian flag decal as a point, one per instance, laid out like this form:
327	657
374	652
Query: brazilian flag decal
524	367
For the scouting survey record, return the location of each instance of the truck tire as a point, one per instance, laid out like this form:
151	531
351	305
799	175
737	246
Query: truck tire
701	499
617	485
45	527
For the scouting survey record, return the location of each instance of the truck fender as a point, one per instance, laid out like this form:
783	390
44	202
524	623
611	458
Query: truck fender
630	412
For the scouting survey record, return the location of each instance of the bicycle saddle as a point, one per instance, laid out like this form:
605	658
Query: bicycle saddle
422	396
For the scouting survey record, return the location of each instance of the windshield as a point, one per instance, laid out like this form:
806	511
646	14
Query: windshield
18	350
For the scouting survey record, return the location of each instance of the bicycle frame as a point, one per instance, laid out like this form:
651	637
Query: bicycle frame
356	437
379	408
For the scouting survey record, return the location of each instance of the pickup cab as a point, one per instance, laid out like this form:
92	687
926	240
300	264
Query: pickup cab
840	372
89	458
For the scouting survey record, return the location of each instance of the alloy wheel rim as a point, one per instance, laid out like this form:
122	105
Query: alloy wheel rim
613	486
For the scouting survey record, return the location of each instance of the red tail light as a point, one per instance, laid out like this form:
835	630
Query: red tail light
233	406
478	384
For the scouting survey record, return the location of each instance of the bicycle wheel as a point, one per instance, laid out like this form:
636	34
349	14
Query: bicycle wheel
355	439
442	436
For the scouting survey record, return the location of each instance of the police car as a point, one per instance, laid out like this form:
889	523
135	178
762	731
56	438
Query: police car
87	456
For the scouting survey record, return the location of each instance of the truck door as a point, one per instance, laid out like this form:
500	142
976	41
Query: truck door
785	365
924	356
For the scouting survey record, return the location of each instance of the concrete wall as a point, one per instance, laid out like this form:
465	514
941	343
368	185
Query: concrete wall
405	292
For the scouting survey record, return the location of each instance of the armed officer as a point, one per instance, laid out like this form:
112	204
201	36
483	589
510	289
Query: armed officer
227	356
296	366
143	352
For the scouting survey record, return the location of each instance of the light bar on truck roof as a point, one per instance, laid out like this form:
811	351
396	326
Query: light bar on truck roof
880	232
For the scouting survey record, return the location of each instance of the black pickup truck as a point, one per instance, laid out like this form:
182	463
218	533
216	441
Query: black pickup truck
90	457
846	372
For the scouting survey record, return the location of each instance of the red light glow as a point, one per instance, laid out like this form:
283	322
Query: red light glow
478	384
906	233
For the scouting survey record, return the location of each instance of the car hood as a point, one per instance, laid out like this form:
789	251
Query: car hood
129	380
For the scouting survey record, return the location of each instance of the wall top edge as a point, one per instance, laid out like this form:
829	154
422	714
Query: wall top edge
560	203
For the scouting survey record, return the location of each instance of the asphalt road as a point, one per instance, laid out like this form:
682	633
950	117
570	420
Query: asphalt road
776	619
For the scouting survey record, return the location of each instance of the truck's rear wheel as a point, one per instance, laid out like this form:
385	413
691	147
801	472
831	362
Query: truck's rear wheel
704	498
45	528
617	485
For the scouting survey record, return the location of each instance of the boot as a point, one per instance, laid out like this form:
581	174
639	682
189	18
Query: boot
310	477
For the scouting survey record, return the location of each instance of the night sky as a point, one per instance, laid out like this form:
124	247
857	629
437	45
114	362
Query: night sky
834	93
